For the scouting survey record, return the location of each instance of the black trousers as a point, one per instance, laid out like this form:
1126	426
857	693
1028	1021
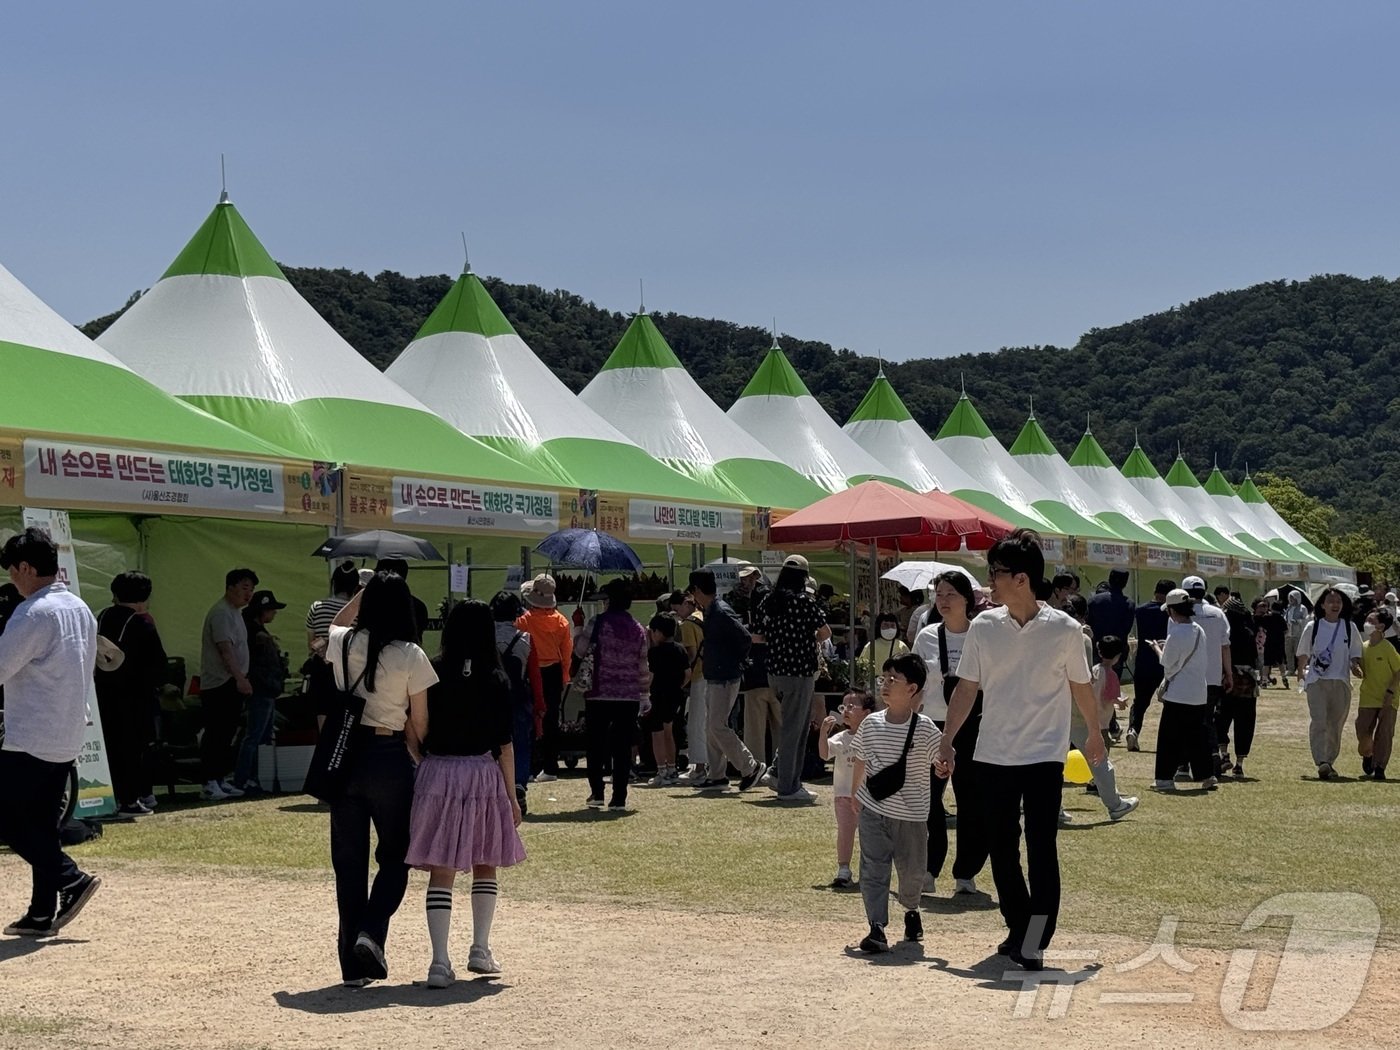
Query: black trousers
1215	696
611	726
1181	740
379	792
222	708
1145	684
1030	902
1243	711
127	731
546	756
31	789
971	834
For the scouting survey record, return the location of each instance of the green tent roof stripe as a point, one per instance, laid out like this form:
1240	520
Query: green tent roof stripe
369	434
467	307
1089	453
224	245
1181	477
641	346
1216	484
105	402
1137	465
1249	492
964	421
1033	441
881	402
776	378
986	501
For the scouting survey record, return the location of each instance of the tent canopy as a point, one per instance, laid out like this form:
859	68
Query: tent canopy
877	512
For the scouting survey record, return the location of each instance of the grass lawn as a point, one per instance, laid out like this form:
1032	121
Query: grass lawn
1207	859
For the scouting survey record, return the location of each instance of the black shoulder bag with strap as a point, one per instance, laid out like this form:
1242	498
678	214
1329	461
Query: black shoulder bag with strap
885	783
329	770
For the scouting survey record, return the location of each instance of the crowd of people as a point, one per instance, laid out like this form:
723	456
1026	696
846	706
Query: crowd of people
983	690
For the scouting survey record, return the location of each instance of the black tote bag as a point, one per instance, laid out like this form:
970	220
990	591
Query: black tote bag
330	763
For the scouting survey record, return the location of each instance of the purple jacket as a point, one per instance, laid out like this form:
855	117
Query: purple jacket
619	647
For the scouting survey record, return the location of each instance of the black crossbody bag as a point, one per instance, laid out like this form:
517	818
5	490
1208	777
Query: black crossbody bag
885	783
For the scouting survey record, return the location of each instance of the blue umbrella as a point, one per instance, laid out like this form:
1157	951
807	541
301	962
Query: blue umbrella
589	549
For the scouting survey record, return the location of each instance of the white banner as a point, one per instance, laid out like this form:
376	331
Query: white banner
649	520
1104	552
95	798
1286	570
1209	565
62	472
1250	568
1163	558
1330	574
1053	548
474	508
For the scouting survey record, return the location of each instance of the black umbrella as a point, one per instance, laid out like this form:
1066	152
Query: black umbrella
378	543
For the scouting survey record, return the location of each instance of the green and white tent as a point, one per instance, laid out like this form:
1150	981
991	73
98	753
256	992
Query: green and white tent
1122	501
646	393
1143	476
1230	507
1034	451
969	442
224	330
470	367
63	384
1213	522
884	427
777	408
1275	528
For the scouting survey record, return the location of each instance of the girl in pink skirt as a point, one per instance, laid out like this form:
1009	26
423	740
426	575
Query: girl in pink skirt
465	813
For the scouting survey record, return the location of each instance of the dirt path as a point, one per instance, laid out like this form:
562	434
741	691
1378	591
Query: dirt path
235	962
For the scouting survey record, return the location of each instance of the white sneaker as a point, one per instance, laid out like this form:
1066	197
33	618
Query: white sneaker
1164	785
543	778
800	795
964	886
149	801
1065	818
1125	806
693	775
929	885
661	780
769	779
230	790
1133	740
214	792
441	975
480	960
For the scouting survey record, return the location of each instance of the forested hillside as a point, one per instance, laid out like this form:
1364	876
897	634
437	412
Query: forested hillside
1295	378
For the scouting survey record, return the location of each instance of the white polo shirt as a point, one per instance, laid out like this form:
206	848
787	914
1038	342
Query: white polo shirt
1024	674
1217	627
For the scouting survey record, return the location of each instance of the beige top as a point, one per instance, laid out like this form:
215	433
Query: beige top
403	669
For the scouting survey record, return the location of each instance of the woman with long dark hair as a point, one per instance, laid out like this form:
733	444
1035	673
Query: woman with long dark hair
940	645
378	660
465	811
792	624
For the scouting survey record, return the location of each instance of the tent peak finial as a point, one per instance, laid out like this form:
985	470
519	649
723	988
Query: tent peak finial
1137	441
641	296
775	334
962	382
1087	428
466	256
1031	398
223	181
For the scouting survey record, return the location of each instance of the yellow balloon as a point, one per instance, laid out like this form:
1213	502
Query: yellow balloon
1077	769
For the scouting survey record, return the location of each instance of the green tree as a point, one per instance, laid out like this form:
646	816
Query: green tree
1362	553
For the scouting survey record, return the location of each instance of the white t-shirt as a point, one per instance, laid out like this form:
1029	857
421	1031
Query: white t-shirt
403	669
879	743
1331	646
1217	628
926	648
1186	661
1024	674
843	763
223	623
918	620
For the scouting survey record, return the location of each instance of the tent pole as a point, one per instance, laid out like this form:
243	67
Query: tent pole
851	612
874	613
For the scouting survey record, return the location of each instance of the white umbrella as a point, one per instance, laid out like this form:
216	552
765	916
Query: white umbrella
917	575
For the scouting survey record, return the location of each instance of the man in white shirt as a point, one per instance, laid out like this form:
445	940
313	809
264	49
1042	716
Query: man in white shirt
47	655
1028	661
1219	670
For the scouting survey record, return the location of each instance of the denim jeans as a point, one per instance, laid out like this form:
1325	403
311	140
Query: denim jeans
379	792
31	789
261	710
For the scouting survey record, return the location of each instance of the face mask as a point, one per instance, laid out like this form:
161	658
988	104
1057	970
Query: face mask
888	632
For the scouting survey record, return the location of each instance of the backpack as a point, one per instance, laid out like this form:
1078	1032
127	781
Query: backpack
522	696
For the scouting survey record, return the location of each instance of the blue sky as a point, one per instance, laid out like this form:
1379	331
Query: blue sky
915	179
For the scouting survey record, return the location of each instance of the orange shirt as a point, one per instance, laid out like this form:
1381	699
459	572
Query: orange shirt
551	636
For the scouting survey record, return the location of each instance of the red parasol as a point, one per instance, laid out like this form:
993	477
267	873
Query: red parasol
890	517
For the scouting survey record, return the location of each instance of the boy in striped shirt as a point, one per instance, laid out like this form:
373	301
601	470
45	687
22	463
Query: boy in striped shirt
894	829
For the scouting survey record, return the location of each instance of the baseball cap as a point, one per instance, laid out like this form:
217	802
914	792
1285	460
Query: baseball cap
264	600
749	570
795	561
1193	583
1177	597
